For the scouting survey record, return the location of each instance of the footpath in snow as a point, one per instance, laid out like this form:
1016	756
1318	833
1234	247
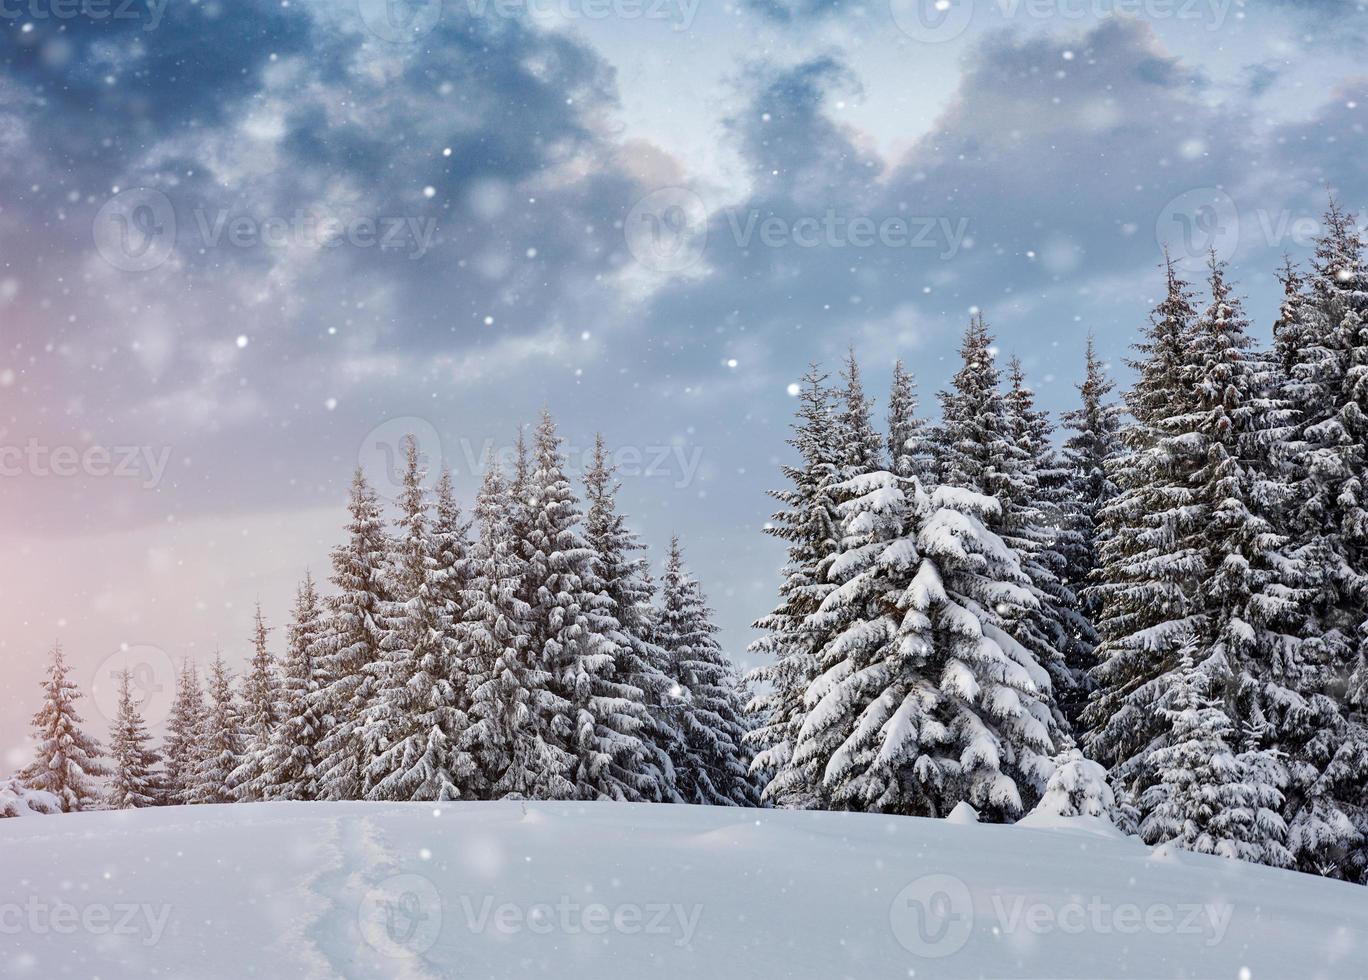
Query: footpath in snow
586	892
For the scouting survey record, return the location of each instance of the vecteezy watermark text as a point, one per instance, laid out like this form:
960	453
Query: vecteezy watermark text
150	12
39	918
571	918
34	458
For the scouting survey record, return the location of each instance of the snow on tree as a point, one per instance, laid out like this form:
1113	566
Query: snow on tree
596	715
290	766
622	578
1042	531
221	740
18	800
510	697
182	747
1093	447
1151	559
1208	799
1321	344
909	443
66	760
134	778
712	765
351	646
1078	788
417	721
810	523
261	713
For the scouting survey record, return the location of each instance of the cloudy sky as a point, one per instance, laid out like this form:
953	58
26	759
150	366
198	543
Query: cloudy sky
247	244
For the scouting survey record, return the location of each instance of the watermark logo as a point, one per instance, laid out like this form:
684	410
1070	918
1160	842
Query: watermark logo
400	21
135	230
150	12
933	916
382	454
146	464
568	917
401	916
1199	222
152	682
932	21
667	230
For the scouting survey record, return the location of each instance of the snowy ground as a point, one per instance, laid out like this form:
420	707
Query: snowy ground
292	890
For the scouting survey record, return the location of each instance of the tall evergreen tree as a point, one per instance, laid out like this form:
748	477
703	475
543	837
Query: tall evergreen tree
622	578
510	691
712	765
810	523
909	442
418	719
1093	448
1152	560
66	760
261	711
599	717
351	646
182	748
290	766
134	779
221	737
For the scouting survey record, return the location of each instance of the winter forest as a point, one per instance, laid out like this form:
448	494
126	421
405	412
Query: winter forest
1153	611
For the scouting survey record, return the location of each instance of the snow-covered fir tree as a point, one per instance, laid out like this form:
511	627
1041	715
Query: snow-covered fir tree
351	648
1092	447
416	724
1078	788
909	440
182	747
599	716
811	525
1045	534
221	740
134	778
1151	561
290	766
66	760
261	709
1321	344
511	703
1204	799
712	765
987	448
621	576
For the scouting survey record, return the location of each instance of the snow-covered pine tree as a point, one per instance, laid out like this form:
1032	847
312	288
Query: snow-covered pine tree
182	747
1042	527
66	760
600	717
510	697
713	764
1204	799
1093	447
417	722
134	780
290	769
351	646
1151	559
221	739
1322	344
261	710
909	441
983	448
622	577
810	523
1078	788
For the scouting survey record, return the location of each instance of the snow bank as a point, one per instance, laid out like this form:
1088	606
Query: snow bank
570	891
18	800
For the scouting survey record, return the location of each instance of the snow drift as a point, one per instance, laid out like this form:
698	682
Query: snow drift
509	890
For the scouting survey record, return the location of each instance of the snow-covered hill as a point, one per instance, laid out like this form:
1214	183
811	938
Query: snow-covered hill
569	891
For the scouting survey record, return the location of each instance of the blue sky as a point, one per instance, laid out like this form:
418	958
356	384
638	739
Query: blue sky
242	244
